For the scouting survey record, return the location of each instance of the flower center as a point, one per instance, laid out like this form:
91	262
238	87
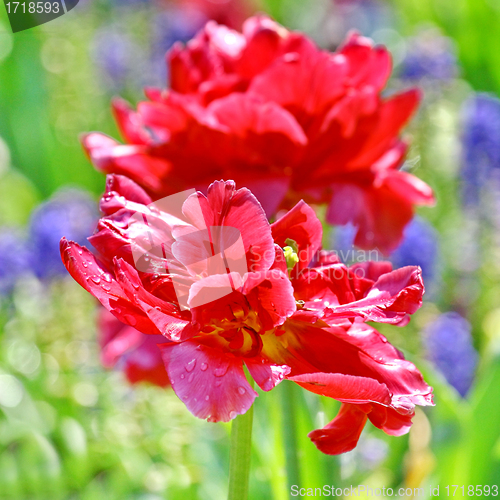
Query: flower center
291	254
239	334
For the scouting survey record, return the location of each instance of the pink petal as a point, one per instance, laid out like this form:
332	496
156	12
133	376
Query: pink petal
226	206
267	374
208	381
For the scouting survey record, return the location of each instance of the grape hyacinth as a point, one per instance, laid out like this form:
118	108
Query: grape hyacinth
420	247
71	213
480	145
15	259
116	56
448	343
342	242
430	57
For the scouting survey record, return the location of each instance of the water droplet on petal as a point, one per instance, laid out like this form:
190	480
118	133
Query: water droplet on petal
221	371
241	390
203	367
207	397
183	376
218	383
105	287
107	277
80	251
190	366
95	279
132	320
85	264
191	378
232	414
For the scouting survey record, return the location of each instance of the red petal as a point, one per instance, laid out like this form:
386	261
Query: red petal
392	116
164	315
413	189
119	190
390	421
391	298
209	382
305	84
243	115
275	294
345	388
88	272
379	214
342	433
129	123
371	270
132	161
368	65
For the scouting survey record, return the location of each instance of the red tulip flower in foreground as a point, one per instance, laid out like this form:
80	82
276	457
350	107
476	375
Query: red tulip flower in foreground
228	290
272	111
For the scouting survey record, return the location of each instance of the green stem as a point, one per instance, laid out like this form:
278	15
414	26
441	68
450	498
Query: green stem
288	395
240	454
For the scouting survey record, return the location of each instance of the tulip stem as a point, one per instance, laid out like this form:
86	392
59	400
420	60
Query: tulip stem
289	409
240	454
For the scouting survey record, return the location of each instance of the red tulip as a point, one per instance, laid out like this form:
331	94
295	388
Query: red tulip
176	272
269	109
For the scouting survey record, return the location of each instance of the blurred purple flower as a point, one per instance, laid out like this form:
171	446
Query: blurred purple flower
448	343
420	247
429	56
480	144
15	259
170	26
116	55
71	213
342	243
365	16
